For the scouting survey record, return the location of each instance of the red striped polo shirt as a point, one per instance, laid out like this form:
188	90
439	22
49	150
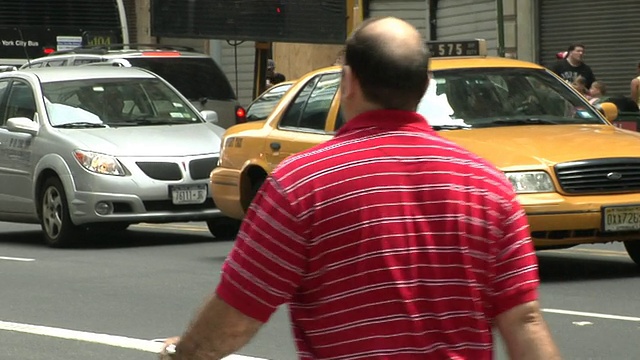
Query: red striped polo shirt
387	242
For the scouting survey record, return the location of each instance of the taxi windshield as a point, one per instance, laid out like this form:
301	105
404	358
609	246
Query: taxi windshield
489	97
115	102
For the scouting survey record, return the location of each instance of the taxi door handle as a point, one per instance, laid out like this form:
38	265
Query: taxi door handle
275	146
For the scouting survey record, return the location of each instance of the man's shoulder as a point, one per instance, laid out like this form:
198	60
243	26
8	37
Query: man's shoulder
301	164
559	64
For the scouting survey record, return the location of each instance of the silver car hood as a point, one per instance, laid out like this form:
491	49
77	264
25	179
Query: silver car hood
157	140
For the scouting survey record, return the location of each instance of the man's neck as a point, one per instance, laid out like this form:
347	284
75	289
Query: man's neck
574	63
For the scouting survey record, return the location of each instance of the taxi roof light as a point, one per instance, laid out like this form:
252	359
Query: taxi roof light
458	48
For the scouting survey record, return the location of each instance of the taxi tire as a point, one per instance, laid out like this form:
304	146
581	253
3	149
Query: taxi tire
223	228
633	249
57	228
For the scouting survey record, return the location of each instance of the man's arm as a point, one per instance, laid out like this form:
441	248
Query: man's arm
263	271
217	331
515	308
634	90
526	334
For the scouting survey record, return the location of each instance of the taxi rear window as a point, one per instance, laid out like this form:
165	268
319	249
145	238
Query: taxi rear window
195	78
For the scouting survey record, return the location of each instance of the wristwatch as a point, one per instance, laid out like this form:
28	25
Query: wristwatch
170	351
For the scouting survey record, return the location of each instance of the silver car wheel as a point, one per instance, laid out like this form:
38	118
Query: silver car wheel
52	210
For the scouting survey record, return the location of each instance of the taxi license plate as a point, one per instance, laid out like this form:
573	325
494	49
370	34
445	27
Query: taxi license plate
188	194
621	218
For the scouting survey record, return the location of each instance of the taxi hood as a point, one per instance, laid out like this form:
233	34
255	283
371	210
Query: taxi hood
521	147
160	140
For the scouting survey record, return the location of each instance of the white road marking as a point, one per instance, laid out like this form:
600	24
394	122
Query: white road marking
592	315
15	258
582	323
104	339
155	346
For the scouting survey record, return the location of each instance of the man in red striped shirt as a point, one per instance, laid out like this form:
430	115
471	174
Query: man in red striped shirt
388	241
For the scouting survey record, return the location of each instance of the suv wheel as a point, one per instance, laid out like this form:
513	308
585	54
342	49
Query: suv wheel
223	228
633	249
56	223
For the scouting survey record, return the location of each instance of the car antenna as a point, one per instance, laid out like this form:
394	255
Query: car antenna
24	46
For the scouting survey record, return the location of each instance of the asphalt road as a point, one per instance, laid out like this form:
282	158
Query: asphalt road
111	298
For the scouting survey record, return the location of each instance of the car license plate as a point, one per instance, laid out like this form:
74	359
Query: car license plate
621	218
188	194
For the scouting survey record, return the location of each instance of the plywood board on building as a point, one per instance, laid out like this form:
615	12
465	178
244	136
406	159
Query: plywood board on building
294	59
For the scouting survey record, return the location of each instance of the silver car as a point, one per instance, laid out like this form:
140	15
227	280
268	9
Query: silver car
83	148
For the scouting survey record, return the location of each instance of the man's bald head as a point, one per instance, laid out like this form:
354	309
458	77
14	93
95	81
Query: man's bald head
390	60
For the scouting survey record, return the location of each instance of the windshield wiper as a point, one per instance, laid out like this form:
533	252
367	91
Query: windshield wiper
80	125
449	127
522	121
143	121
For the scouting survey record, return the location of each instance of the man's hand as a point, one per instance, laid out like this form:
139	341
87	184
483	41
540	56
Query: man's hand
169	344
217	331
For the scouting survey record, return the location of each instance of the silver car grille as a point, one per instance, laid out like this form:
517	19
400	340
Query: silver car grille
599	176
201	168
160	170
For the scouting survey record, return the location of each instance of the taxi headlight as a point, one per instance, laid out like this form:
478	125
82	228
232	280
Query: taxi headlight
530	182
99	163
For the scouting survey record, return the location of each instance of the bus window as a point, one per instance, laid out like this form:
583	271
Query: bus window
32	29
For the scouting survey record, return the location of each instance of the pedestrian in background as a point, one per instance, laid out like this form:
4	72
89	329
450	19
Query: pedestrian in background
580	84
272	76
597	92
387	241
635	87
573	65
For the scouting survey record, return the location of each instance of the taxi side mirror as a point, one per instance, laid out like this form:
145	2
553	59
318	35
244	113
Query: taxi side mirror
609	110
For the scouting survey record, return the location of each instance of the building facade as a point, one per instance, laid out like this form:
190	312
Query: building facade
533	30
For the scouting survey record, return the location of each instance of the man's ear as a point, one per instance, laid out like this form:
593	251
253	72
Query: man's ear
348	82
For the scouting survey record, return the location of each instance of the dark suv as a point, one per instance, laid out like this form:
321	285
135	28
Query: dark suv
194	74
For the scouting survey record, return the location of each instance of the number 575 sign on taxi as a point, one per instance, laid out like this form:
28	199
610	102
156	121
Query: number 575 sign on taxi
466	48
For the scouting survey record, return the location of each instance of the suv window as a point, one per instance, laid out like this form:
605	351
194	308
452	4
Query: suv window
195	78
56	63
86	61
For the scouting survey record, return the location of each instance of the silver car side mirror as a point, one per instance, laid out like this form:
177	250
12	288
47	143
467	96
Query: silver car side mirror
210	116
23	125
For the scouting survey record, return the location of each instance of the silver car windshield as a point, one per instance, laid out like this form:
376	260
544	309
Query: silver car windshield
115	102
474	98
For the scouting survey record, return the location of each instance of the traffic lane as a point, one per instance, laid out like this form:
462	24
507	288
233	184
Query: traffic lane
563	274
590	279
145	283
17	345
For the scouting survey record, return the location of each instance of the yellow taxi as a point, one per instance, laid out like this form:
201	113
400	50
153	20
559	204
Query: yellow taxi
577	175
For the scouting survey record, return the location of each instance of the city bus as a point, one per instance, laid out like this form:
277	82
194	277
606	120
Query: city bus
33	28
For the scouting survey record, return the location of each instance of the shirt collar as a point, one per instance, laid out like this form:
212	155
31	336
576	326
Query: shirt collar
387	120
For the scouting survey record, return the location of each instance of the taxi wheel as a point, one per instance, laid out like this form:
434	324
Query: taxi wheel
255	186
633	249
223	228
56	223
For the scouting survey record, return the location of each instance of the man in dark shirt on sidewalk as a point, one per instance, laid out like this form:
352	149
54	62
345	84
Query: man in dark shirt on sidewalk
573	66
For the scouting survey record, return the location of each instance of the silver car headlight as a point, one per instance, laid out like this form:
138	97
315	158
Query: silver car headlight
99	163
531	182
